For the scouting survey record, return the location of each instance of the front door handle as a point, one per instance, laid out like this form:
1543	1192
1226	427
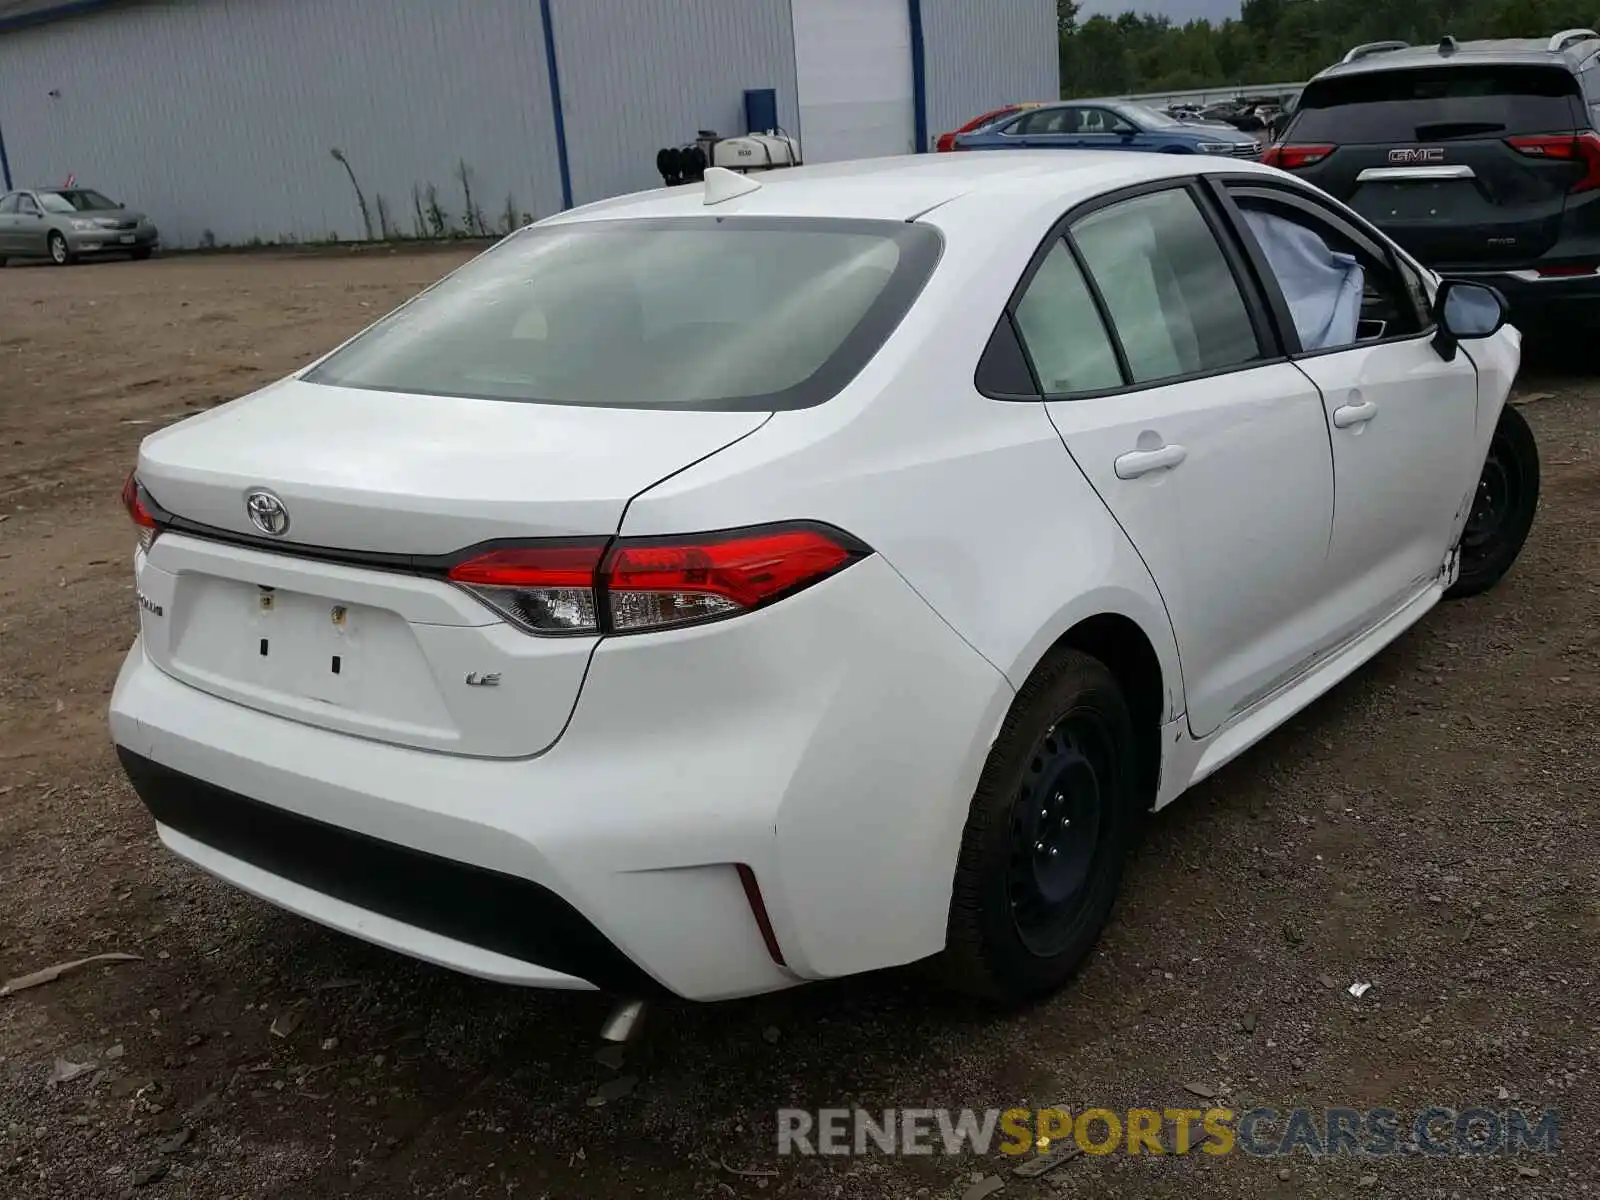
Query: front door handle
1142	462
1354	414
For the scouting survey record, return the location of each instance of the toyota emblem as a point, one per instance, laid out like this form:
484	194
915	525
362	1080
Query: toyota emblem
267	513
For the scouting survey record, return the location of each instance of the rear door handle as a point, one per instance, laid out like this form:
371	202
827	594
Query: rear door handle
1354	414
1142	462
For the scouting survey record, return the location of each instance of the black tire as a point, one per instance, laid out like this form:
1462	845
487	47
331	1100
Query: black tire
60	252
1502	510
1022	918
142	253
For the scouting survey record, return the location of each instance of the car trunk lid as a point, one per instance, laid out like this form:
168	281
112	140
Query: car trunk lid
345	619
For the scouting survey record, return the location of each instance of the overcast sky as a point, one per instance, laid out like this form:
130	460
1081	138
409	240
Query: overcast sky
1179	10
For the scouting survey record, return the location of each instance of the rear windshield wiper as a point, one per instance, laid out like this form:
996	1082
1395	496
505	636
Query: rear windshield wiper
1440	131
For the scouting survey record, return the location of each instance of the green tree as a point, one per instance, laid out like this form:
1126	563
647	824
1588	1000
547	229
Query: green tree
1274	41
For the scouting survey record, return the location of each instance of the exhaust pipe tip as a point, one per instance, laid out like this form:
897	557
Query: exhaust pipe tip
623	1023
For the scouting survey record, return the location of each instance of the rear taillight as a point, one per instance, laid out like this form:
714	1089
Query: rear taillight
544	588
1569	271
1581	149
1291	156
640	584
139	513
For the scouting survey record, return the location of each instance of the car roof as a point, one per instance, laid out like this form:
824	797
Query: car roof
1498	51
903	188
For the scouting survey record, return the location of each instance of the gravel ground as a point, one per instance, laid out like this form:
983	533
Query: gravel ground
1428	828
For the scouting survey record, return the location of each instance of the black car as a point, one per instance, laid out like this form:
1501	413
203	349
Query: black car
1481	158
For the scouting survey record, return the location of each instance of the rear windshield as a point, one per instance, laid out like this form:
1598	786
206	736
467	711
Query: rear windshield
1435	104
708	313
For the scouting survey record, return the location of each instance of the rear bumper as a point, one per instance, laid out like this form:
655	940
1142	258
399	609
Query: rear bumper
830	743
392	894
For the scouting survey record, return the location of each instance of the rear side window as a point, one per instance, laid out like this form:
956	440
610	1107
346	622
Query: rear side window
1172	297
709	313
1062	330
1436	104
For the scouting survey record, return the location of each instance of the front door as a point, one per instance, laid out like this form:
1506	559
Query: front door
8	220
1402	420
1214	460
28	232
1102	129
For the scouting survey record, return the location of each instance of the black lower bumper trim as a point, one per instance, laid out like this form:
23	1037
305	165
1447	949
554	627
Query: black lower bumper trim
484	908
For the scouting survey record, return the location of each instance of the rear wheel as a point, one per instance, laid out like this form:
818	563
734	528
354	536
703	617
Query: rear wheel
59	253
1502	509
1048	832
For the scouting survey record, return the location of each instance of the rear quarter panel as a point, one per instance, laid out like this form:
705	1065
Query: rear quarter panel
975	502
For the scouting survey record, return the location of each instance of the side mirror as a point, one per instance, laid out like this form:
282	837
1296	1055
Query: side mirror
1465	311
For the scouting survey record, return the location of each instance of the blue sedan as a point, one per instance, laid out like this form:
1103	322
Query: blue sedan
1108	125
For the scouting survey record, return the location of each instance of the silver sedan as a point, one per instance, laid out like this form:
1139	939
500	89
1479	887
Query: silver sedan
65	224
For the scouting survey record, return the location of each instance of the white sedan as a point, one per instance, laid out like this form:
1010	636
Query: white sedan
735	585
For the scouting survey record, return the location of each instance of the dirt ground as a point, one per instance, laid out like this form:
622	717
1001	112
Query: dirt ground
1429	828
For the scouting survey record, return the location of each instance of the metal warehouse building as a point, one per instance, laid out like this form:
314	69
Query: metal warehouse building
220	117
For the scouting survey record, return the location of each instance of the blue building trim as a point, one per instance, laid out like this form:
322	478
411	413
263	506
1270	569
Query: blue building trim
552	70
5	162
919	77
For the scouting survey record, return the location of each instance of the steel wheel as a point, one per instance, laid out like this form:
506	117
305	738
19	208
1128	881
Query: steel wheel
1502	508
58	250
1055	832
1047	834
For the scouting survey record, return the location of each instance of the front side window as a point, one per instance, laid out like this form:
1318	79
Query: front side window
1062	331
730	313
1173	299
25	204
1337	289
1101	120
1044	121
1322	286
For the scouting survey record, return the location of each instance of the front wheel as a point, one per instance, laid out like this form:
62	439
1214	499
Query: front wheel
1047	835
1502	509
59	252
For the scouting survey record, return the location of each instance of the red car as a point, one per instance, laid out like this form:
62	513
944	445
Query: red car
947	141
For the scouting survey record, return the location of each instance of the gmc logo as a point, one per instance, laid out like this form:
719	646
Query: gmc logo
1420	154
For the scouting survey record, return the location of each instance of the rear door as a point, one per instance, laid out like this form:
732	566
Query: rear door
1453	162
29	230
1103	129
1209	450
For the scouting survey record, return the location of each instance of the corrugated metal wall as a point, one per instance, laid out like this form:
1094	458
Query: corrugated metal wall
980	56
638	76
220	115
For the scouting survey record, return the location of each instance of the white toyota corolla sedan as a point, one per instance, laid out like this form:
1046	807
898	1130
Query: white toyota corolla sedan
730	586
